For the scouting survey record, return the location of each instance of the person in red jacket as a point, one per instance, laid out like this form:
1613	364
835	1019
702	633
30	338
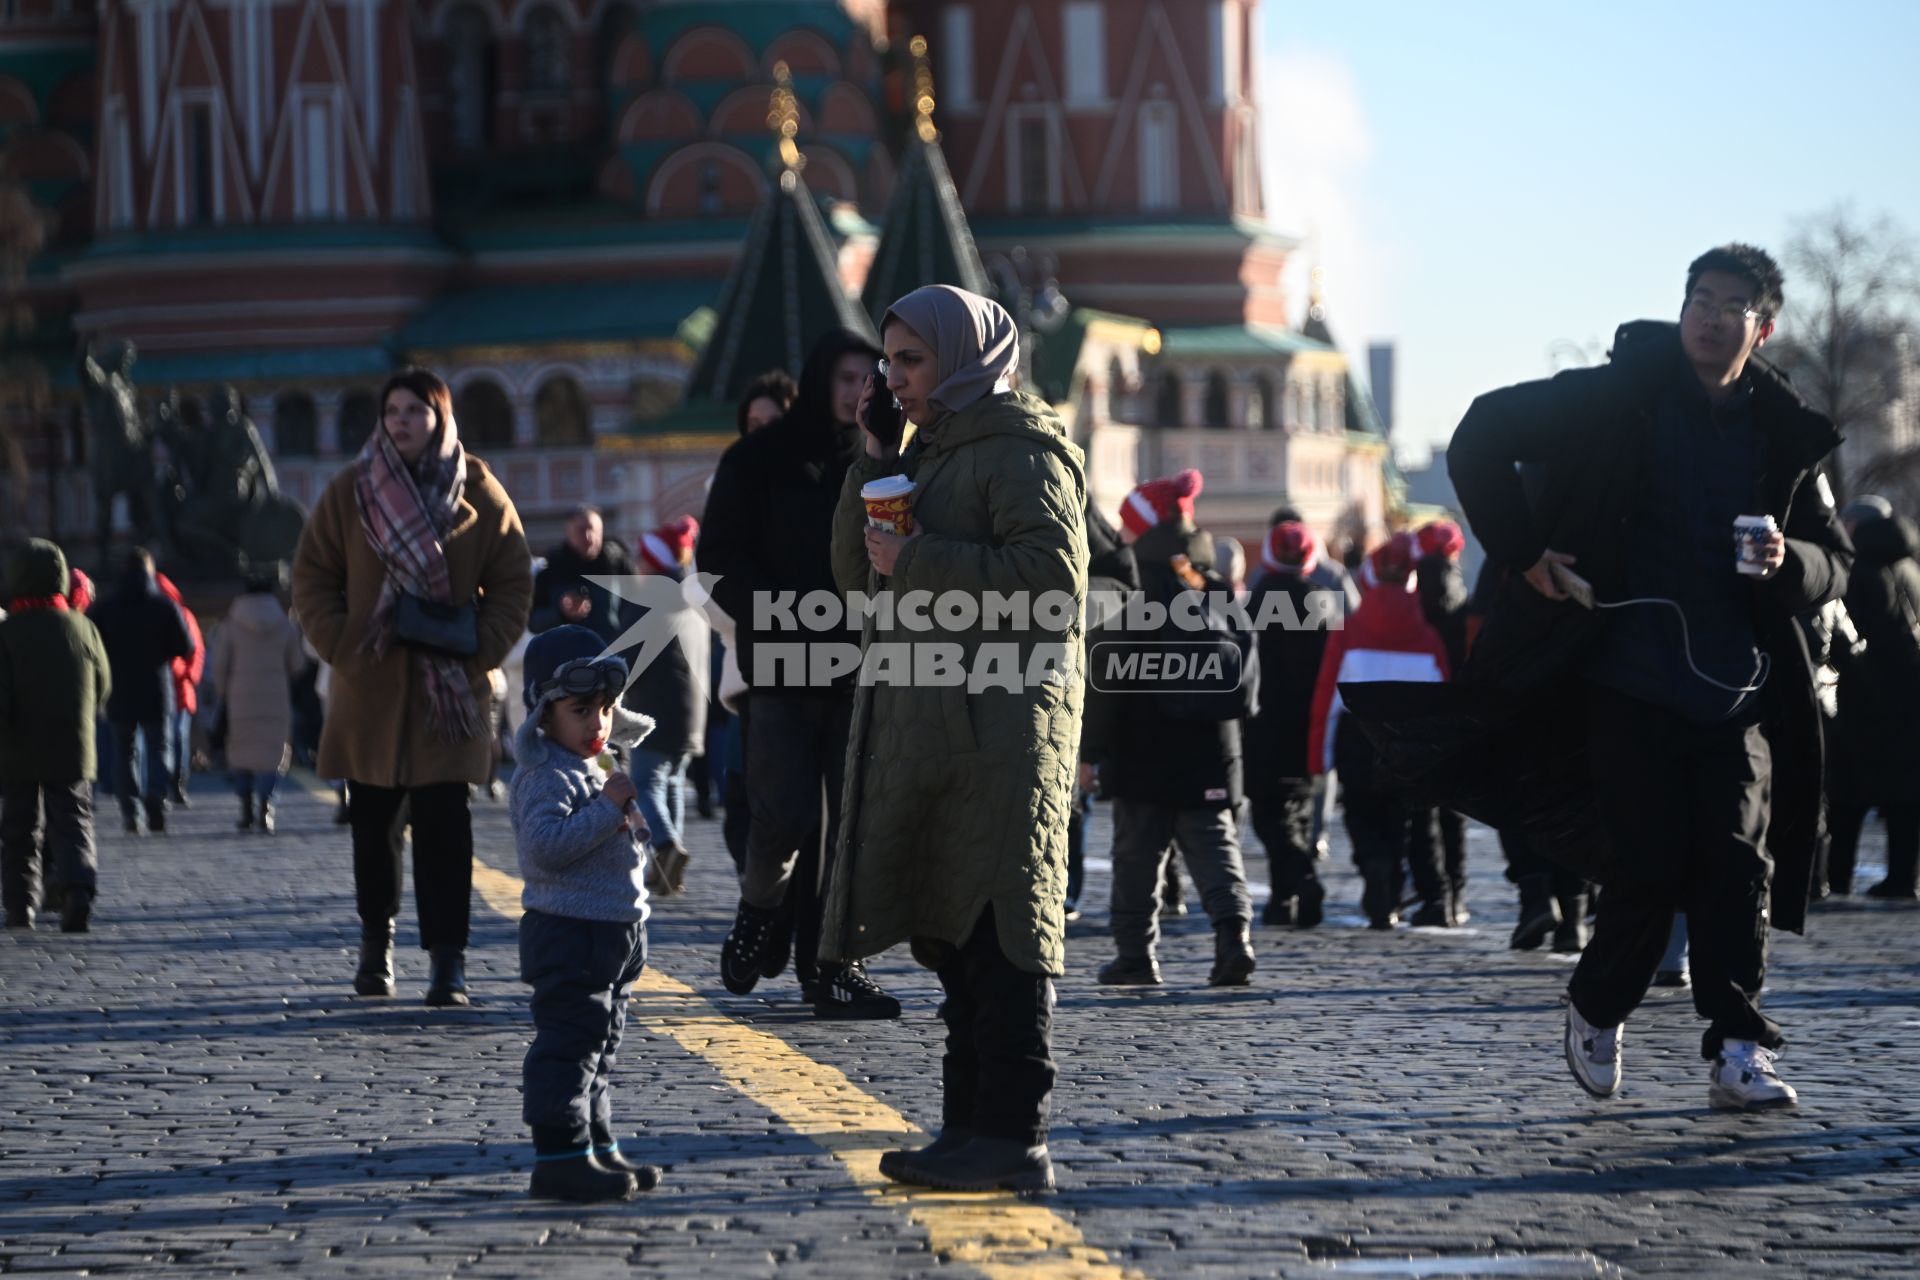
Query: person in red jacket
1386	638
187	673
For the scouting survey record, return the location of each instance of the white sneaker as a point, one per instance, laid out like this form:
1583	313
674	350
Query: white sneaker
1743	1079
1594	1054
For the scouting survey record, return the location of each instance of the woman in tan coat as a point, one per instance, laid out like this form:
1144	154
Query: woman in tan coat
413	580
255	657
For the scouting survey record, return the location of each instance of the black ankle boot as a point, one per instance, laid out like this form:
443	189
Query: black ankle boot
375	976
1232	954
1539	913
899	1165
156	816
76	910
580	1178
1380	893
986	1164
606	1153
448	984
1311	907
246	812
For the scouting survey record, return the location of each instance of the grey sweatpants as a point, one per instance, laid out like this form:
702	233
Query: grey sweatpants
1143	835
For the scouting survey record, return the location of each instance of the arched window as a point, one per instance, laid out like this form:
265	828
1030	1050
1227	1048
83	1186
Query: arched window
1167	408
294	422
549	52
560	413
1116	393
359	415
470	77
485	415
1216	406
1264	409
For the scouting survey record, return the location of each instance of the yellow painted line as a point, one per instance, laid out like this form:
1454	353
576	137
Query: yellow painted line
1000	1235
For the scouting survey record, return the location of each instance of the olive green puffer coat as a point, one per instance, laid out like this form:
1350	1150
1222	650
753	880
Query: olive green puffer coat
957	795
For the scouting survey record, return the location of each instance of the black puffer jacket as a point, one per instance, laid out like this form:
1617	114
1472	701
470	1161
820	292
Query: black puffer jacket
1276	738
143	633
568	569
768	526
1143	753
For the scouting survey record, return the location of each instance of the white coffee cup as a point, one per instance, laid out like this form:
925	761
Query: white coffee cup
1750	537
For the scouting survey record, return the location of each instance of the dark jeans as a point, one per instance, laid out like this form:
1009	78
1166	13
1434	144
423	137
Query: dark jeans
796	753
1143	835
259	786
63	813
581	972
998	1070
1283	821
442	856
156	761
1686	809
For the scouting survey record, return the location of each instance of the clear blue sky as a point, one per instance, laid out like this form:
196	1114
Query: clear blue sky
1484	179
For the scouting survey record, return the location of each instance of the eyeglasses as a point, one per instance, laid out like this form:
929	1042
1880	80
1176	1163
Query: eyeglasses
583	677
1736	312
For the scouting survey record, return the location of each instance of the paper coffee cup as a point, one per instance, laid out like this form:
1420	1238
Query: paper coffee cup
890	504
1750	536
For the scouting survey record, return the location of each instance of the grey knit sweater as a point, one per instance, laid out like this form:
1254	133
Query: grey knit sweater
577	857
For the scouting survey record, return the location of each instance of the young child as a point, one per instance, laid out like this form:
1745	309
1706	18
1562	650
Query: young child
583	939
53	682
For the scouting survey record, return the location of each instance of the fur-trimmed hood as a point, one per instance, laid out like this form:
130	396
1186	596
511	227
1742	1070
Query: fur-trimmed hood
531	747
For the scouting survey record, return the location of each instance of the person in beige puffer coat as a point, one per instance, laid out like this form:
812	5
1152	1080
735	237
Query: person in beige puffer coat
255	657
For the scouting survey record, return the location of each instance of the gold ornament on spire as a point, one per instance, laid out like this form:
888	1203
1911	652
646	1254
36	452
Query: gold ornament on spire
923	91
783	117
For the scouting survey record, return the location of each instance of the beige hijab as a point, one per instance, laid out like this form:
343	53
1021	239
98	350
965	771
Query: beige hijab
974	341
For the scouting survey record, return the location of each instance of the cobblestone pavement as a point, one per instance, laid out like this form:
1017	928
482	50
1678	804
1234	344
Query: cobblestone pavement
191	1090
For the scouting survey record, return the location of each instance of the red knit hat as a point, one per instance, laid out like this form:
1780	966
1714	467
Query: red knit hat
79	590
666	549
1159	500
1392	561
1441	538
1290	546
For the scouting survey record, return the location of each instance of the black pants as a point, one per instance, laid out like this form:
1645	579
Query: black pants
1145	835
1686	810
581	972
1283	819
1525	862
63	812
1447	861
1079	815
442	856
156	773
1847	814
998	1070
796	753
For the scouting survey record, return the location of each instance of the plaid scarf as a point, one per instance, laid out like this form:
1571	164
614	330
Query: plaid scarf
407	514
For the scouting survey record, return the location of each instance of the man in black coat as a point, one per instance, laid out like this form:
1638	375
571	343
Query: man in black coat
143	633
1682	761
562	595
1879	700
1279	784
768	534
1174	783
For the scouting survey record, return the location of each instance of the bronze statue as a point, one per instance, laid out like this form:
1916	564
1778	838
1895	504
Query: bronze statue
122	447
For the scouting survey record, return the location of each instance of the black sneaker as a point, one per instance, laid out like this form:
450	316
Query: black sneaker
1130	971
984	1164
745	949
846	993
580	1179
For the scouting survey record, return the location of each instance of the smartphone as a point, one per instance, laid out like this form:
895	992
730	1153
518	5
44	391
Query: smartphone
1573	584
885	420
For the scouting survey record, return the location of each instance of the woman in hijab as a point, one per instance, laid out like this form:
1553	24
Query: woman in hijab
958	784
413	529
